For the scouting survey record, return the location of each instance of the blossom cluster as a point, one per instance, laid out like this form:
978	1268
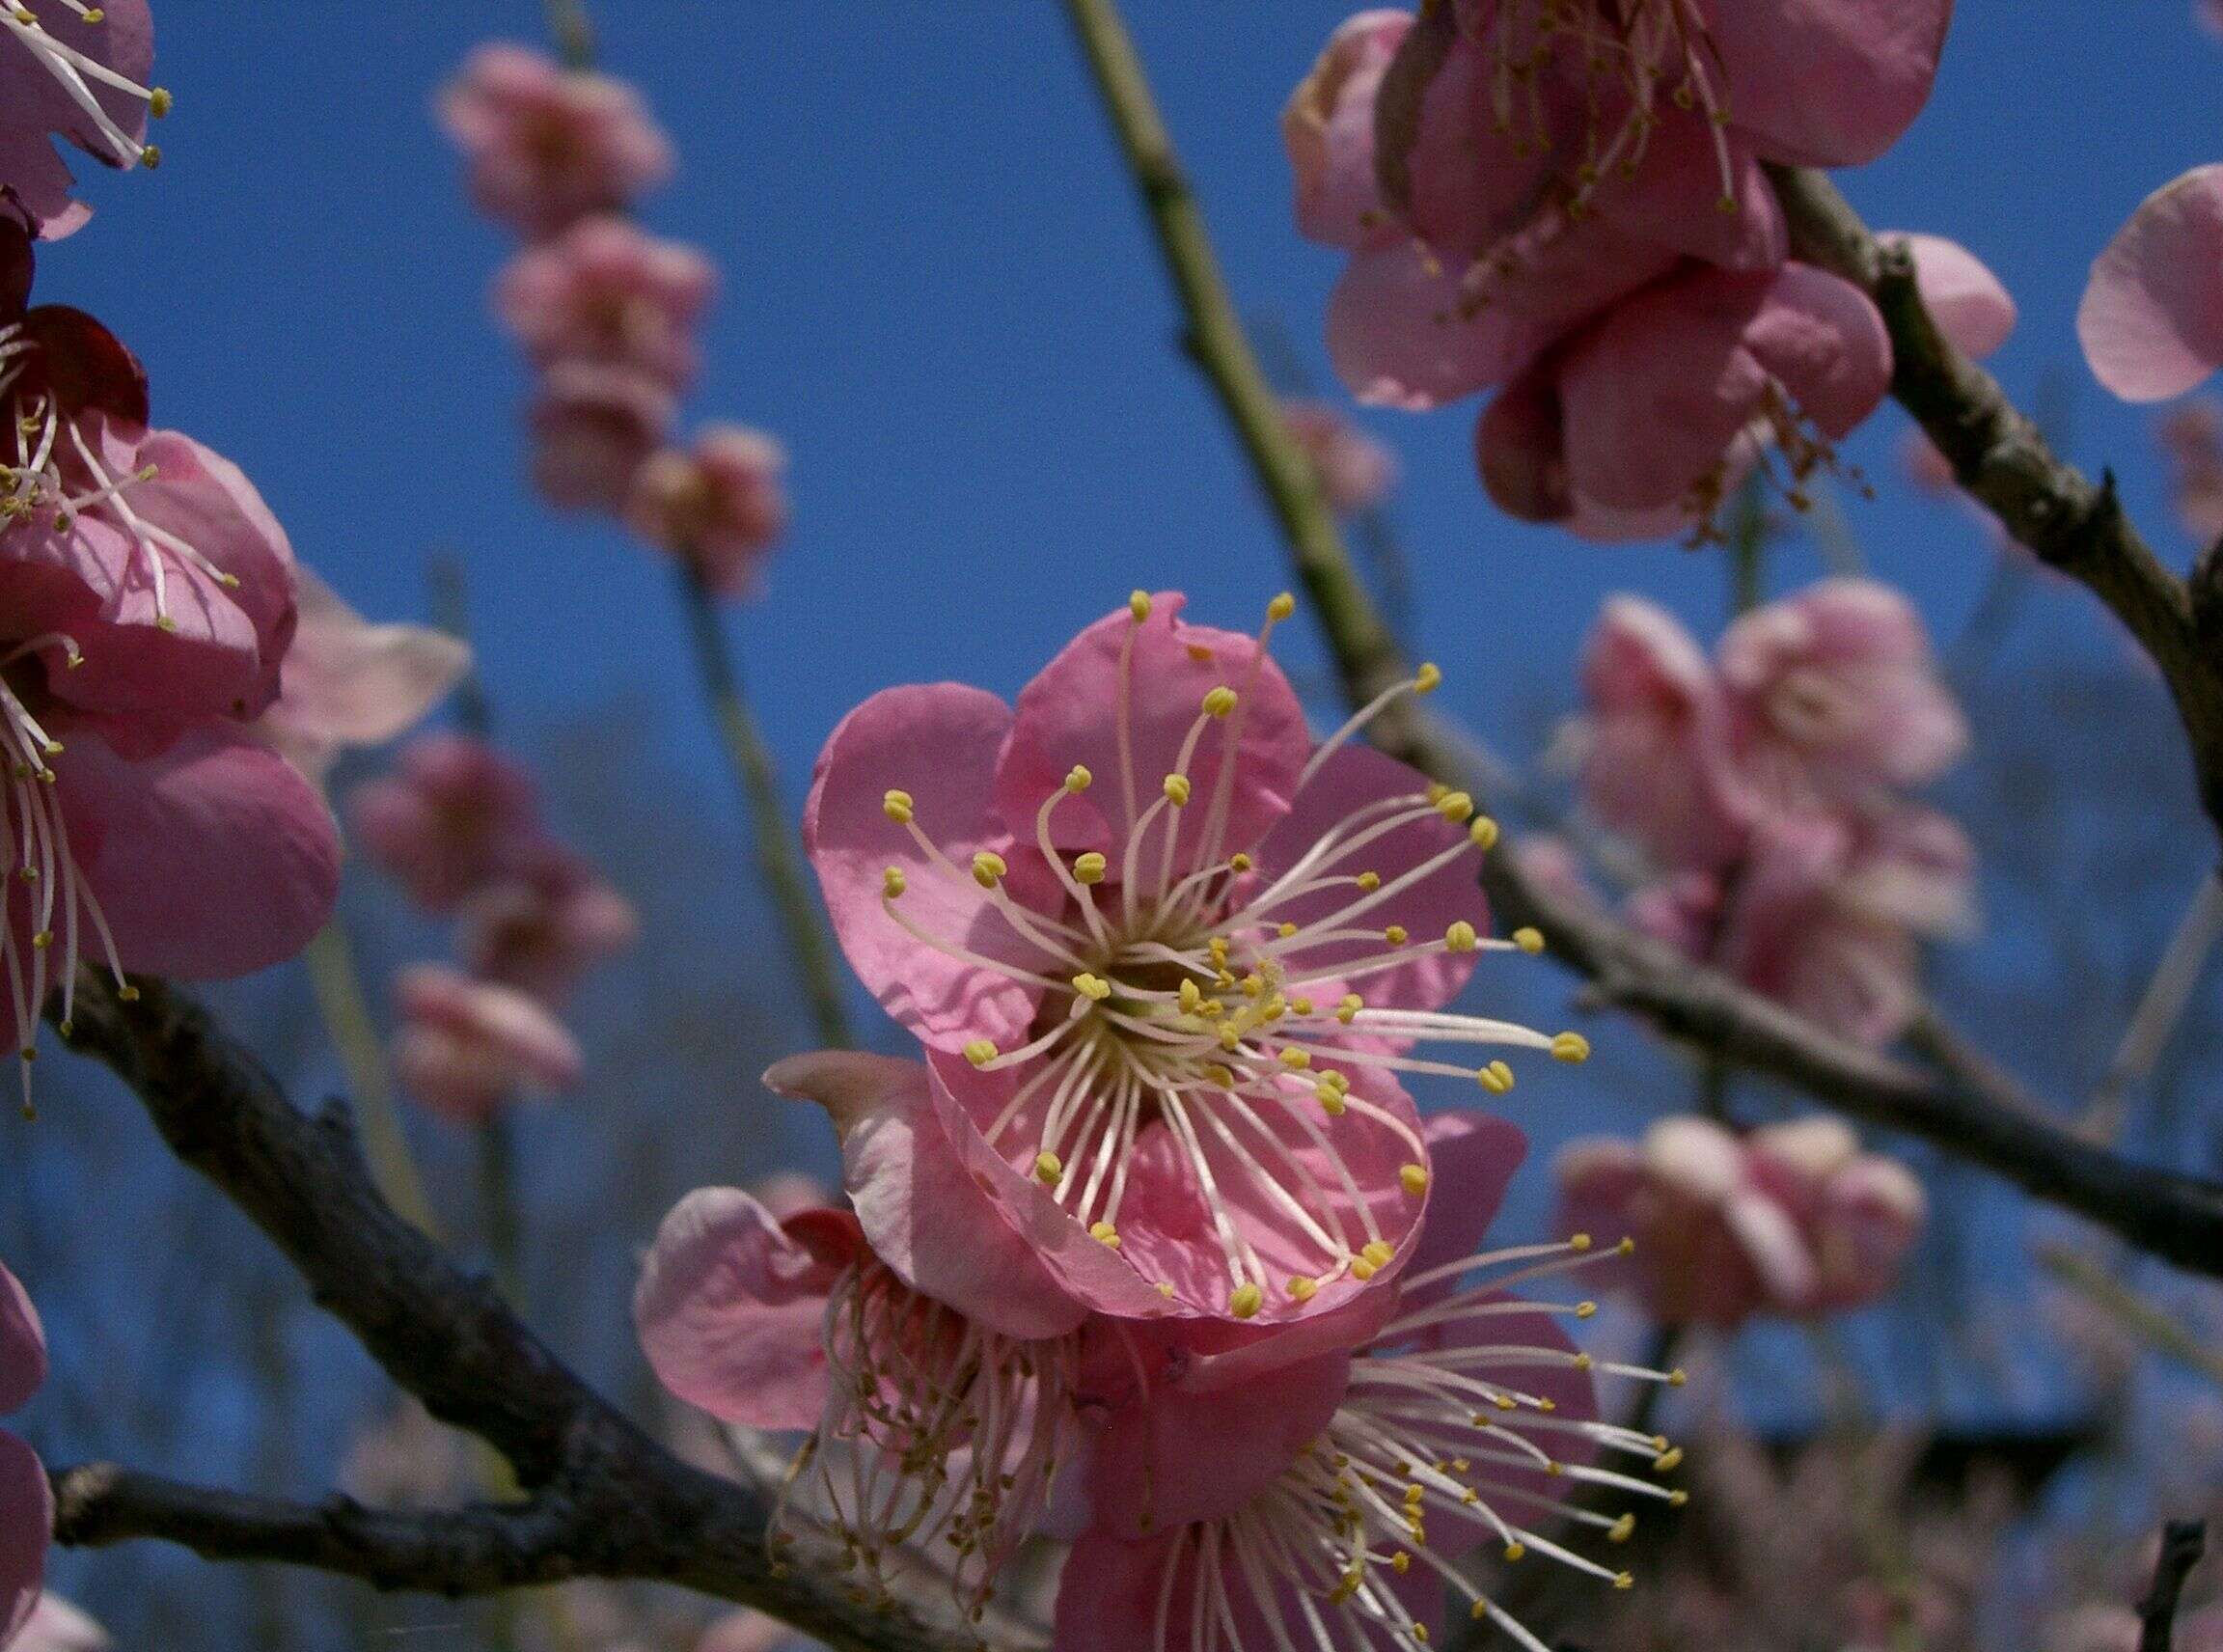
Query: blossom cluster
459	824
607	315
1564	202
1150	1248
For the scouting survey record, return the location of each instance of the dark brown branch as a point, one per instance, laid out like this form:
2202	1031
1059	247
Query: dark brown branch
1999	457
2182	1543
602	1498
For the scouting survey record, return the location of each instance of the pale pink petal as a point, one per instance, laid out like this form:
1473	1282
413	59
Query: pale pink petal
2152	317
468	1047
1827	82
939	1229
22	1345
1397	336
940	743
347	682
210	856
57	1625
1520	448
1069	715
1970	304
730	1310
747	1631
26	1527
1471	1158
1328	128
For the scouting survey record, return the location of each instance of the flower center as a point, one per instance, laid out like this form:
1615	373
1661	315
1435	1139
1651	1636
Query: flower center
1190	994
77	73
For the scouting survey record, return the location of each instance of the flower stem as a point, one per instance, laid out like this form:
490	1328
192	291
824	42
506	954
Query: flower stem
346	1015
574	33
775	850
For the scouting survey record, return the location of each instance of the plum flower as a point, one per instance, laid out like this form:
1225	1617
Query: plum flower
454	815
927	1428
604	291
1168	957
542	927
80	72
57	1625
593	427
349	682
1793	1219
546	145
26	1503
2192	436
718	507
1318	1486
1355	472
2152	317
467	1047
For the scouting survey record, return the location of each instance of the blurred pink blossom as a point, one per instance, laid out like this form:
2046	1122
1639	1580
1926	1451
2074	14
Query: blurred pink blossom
1791	1219
1356	473
748	1631
718	507
407	1460
604	291
466	1048
547	146
453	815
2191	438
45	92
26	1503
593	427
541	927
57	1625
2152	317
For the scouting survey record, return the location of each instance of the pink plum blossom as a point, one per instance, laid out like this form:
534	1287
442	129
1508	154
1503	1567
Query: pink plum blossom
593	427
1825	914
604	291
149	595
747	1631
2152	317
26	1503
1320	1484
349	682
454	816
547	146
1836	696
2191	438
1793	1219
67	74
1168	957
1356	473
542	927
57	1625
1970	305
467	1047
718	507
928	1427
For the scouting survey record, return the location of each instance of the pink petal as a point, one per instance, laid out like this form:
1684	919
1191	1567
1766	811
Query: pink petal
210	856
2152	317
1355	776
1471	1158
1970	304
1521	451
22	1345
1398	338
26	1527
1823	340
940	743
57	1625
934	1224
1827	82
730	1310
1328	129
1069	714
1110	1591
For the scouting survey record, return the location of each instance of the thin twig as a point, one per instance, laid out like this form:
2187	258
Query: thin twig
345	1011
2174	1216
2160	1009
2144	1319
2182	1543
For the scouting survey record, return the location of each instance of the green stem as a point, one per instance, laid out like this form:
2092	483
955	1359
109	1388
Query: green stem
346	1014
775	850
574	33
1366	654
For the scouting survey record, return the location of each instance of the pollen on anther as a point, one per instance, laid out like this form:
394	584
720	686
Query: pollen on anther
1455	806
1049	1169
1621	1529
1586	1311
988	869
1078	778
1104	1233
1139	605
897	806
1516	1551
1370	881
1496	1078
1577	1241
1239	863
1414	1178
1396	935
1281	607
1296	1060
1246	1300
1094	988
1303	1287
1460	937
1089	868
1482	831
892	882
1219	702
1530	939
1177	789
1570	1047
981	1052
1428	678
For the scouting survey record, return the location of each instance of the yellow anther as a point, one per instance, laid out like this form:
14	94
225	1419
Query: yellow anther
1414	1178
1570	1047
1189	996
1480	1609
892	882
1094	988
1089	868
1414	1495
1177	789
1274	1008
1219	702
1370	881
1505	1402
1303	1287
1482	831
1296	1060
1455	806
1078	779
1461	937
1515	1550
1104	1233
1350	1005
1428	678
1139	605
1285	930
1437	791
1246	1300
1363	1270
1049	1169
1585	1309
1198	652
1625	1581
1240	863
1378	1253
1401	1563
1230	1036
1302	1005
1223	1077
1583	1361
1340	1083
129	994
1253	984
896	806
1668	1459
1528	939
981	1052
1677	1497
1281	607
1331	1098
1622	1530
1395	935
1627	1247
1677	1377
988	869
1166	1289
